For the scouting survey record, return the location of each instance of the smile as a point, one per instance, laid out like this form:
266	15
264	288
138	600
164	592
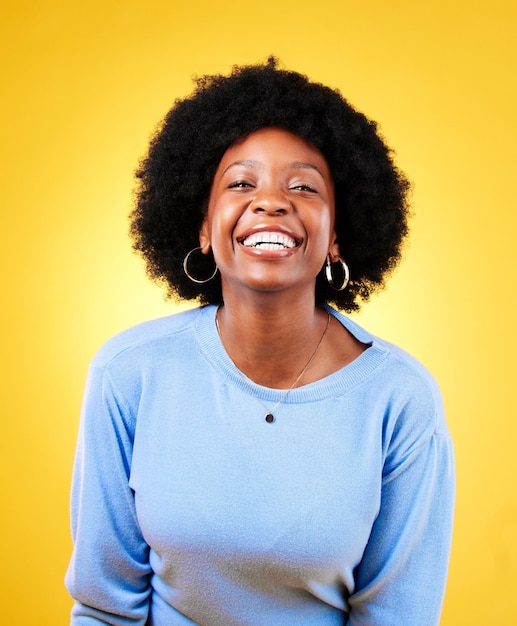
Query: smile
266	240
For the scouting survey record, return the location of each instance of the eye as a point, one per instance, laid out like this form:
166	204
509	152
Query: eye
239	184
304	188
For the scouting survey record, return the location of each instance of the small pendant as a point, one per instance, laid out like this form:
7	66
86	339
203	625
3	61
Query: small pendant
270	418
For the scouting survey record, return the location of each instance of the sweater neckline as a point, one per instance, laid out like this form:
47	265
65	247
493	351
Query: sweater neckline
338	383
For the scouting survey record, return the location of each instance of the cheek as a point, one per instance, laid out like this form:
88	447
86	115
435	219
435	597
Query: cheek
221	223
322	225
323	238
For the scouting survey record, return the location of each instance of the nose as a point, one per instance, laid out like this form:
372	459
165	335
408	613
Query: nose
271	201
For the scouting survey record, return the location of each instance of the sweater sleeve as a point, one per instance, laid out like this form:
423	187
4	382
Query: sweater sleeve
108	575
402	575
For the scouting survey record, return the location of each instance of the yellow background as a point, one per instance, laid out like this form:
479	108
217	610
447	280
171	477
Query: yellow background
83	87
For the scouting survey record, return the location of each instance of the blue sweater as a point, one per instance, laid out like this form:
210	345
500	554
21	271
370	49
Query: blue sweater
189	508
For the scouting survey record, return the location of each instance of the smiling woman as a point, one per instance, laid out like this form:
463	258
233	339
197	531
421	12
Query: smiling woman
370	193
262	459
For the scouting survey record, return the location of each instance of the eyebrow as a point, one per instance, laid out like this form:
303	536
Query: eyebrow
246	163
257	164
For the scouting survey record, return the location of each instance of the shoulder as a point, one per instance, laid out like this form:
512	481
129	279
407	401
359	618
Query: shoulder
402	379
423	408
149	337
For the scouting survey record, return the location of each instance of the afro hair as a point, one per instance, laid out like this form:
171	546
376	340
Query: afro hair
174	178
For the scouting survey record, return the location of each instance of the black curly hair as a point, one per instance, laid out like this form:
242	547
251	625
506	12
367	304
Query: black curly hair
175	177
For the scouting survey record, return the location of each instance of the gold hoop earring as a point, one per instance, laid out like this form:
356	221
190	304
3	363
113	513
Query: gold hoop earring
330	279
189	275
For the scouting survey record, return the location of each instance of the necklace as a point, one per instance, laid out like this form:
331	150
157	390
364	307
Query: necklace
270	417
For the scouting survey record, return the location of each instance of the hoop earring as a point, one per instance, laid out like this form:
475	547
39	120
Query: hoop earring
328	274
189	275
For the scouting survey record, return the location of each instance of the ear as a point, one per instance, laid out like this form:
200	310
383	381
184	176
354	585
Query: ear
204	239
334	248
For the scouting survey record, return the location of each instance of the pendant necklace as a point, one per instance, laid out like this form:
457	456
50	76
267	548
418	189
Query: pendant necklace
269	416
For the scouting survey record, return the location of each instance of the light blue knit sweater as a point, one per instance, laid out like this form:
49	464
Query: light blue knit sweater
189	508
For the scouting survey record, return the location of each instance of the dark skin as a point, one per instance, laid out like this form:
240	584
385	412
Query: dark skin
274	183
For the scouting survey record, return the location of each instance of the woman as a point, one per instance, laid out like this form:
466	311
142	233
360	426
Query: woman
262	459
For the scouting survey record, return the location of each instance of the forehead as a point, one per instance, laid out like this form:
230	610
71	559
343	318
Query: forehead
273	145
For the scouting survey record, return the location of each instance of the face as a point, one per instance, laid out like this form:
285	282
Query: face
270	218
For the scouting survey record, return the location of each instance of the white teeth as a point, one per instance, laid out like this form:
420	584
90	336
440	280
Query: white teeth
269	241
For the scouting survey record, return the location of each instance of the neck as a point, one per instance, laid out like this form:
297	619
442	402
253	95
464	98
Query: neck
270	338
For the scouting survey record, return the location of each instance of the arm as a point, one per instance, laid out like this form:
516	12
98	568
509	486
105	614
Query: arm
108	576
401	578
